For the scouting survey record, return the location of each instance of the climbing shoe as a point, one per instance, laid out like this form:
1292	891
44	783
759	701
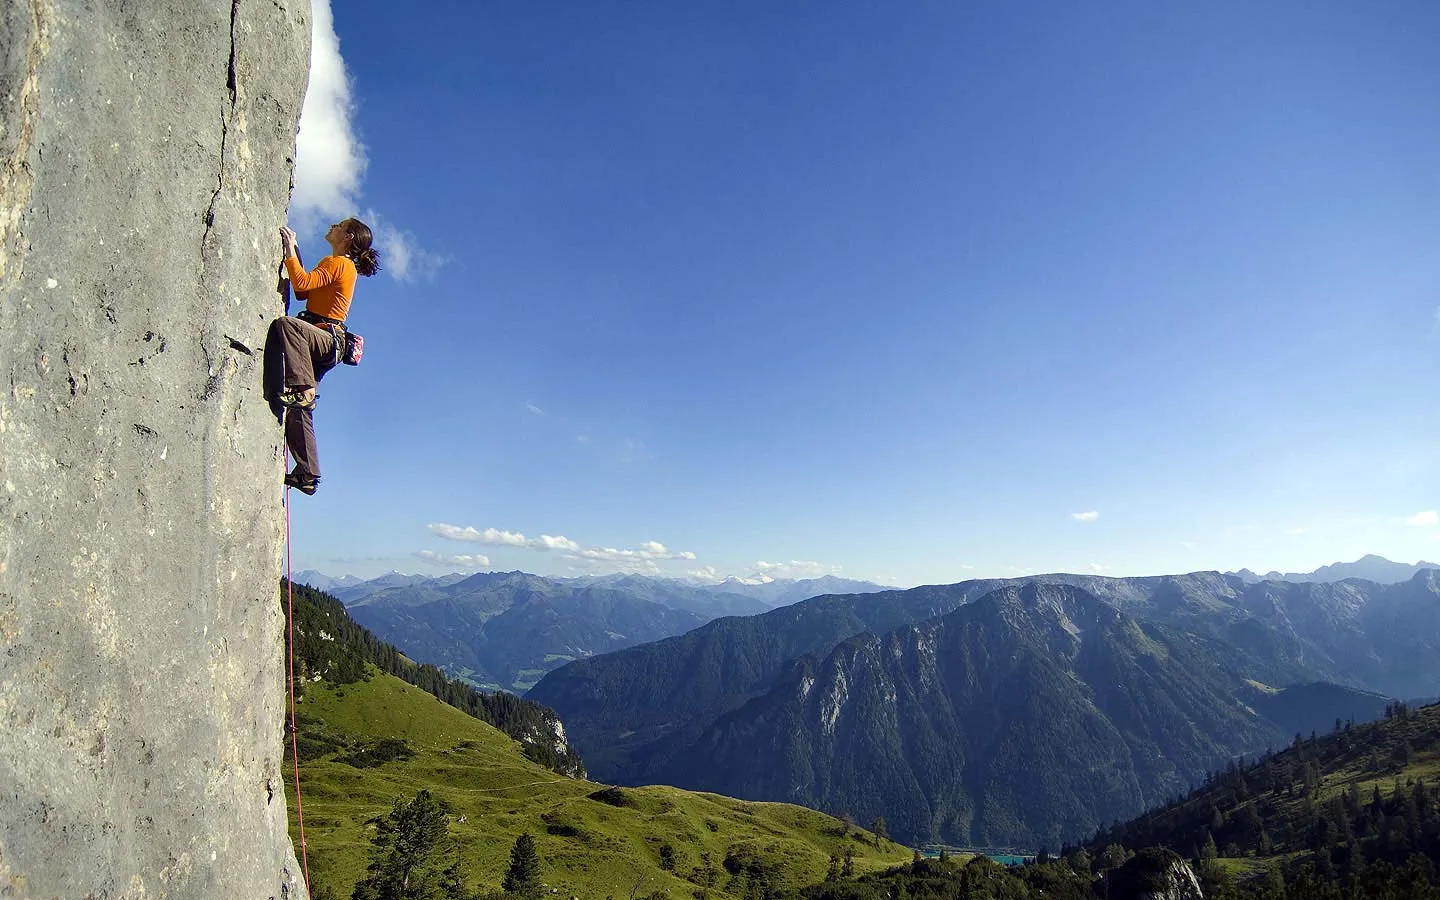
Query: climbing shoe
301	483
298	398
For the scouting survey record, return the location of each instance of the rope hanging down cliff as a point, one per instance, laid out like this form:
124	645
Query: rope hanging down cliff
290	670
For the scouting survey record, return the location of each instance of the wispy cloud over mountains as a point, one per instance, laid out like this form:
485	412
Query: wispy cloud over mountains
644	558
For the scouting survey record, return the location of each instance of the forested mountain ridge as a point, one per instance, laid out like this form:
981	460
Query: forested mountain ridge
719	708
329	645
628	698
617	705
1029	716
1352	813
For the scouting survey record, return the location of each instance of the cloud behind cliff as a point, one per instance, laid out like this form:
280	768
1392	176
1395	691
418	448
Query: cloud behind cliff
329	161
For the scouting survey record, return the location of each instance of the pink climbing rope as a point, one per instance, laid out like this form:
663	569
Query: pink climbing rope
290	668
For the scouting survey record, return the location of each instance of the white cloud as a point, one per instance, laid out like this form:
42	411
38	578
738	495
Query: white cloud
329	161
461	560
552	542
1087	516
1098	568
647	550
535	409
795	568
706	573
1297	530
1426	518
643	558
402	256
488	536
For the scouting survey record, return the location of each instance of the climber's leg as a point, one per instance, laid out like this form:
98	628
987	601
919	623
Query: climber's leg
300	438
272	376
295	345
296	354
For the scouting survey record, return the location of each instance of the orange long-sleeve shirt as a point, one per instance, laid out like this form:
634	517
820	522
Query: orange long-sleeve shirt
328	288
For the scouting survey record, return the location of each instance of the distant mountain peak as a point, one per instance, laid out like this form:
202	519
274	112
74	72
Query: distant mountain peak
1370	567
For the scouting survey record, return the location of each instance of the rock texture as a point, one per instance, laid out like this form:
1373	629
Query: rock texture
1153	874
145	160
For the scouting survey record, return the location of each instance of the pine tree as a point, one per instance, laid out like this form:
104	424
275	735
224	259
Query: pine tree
878	827
523	876
452	884
1208	852
408	852
1113	857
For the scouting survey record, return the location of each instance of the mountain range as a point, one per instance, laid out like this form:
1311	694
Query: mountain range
1369	568
1021	711
506	629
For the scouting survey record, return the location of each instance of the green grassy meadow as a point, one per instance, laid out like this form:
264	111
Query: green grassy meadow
588	848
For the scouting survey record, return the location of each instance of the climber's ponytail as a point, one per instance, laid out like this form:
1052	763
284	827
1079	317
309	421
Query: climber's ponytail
367	261
365	257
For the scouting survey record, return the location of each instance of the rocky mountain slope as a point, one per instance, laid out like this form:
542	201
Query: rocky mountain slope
1032	715
1209	665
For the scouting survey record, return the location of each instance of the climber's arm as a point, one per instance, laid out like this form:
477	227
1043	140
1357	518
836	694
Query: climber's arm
327	272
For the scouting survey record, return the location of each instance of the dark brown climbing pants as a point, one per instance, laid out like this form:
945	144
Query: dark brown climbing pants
297	355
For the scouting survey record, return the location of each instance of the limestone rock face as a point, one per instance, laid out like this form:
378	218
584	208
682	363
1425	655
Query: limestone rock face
1154	874
145	161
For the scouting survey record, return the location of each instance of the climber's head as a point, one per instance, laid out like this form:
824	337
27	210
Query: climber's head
352	237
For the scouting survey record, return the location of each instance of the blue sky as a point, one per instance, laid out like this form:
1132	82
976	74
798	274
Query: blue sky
910	292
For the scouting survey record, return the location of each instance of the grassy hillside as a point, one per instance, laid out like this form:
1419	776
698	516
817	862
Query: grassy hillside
330	645
589	847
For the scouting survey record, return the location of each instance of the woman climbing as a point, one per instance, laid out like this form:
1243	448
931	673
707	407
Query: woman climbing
299	350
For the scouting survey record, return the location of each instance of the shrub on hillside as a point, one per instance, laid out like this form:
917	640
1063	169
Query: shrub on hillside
614	797
378	754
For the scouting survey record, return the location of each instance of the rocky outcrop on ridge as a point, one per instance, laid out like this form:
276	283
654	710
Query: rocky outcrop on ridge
1153	874
145	162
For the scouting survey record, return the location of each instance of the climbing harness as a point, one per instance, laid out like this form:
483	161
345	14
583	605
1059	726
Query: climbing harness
290	668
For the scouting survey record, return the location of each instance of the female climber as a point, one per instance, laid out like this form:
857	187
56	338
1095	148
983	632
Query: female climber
300	349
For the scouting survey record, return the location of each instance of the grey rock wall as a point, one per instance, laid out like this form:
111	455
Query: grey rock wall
145	164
